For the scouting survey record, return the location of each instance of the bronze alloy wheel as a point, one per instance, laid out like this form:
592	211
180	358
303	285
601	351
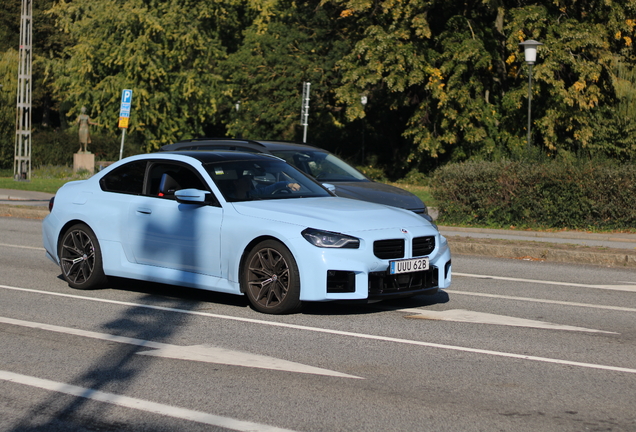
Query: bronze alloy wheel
270	278
80	258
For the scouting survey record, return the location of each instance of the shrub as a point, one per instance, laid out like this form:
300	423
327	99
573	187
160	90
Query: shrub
56	147
540	195
373	170
415	177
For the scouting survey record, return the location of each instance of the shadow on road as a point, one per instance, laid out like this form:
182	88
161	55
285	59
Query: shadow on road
356	308
114	372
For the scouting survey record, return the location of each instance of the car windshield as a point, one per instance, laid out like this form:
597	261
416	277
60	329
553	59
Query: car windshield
249	180
323	166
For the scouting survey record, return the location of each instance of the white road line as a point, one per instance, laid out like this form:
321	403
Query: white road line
559	302
201	353
342	333
630	288
139	404
460	315
22	247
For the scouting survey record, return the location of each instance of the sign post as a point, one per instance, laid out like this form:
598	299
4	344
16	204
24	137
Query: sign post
124	116
304	111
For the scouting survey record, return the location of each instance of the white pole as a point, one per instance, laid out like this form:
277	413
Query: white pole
304	111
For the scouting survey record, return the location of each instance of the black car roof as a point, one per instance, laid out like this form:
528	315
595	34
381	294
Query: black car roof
223	156
260	146
283	145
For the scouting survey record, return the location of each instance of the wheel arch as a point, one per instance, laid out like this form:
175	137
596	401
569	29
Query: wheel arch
65	228
247	250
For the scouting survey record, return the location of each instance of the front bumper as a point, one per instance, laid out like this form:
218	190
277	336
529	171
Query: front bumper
335	275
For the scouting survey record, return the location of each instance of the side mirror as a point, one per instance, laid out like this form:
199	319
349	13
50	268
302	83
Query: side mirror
329	187
191	196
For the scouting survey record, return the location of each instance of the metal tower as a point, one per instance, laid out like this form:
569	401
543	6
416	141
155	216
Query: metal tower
22	160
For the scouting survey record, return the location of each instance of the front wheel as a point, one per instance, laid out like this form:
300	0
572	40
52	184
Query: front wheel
81	258
270	278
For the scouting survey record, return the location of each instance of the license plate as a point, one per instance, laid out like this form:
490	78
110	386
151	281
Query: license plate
409	265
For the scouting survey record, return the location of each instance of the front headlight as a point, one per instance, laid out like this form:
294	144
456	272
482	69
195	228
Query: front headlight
328	239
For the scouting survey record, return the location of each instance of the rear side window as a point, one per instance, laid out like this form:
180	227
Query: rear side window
128	179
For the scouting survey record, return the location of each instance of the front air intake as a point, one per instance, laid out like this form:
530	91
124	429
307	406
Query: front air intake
423	246
389	249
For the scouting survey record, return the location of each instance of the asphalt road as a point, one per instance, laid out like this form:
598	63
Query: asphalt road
513	345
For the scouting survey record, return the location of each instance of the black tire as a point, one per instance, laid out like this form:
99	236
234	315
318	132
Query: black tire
81	258
270	278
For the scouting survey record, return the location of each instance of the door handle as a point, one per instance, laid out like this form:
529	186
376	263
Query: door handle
144	210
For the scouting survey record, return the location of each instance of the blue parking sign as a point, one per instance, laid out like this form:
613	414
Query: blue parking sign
126	101
124	109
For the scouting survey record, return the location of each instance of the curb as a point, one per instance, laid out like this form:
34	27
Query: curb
547	252
616	237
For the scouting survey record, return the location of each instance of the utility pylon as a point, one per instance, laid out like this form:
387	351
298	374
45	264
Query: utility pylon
22	160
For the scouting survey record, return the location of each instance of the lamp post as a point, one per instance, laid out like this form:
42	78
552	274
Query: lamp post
363	101
237	107
530	52
304	109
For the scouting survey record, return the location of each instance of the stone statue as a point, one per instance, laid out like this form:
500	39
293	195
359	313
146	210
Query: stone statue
84	122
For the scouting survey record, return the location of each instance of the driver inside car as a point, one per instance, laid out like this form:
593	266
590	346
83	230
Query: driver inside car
244	188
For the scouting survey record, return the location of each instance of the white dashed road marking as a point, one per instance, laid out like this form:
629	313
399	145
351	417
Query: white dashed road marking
139	404
460	315
202	353
630	288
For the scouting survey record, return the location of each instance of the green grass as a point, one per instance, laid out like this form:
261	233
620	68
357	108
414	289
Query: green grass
422	192
46	179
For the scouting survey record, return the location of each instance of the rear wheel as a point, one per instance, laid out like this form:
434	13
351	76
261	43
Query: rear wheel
81	258
270	278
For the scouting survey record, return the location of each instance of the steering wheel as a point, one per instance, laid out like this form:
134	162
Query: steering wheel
282	191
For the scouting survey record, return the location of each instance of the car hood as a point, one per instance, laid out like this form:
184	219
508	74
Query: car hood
332	213
378	193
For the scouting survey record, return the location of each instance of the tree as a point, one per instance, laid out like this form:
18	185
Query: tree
10	24
9	81
299	42
578	87
167	52
456	73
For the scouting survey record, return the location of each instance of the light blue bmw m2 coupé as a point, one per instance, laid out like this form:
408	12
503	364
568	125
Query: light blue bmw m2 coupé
240	223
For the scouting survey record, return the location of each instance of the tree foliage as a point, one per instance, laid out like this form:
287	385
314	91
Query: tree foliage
9	81
167	52
445	80
458	66
301	43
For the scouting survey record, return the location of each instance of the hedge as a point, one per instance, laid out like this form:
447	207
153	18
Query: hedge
536	195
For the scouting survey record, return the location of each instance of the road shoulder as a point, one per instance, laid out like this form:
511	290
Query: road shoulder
543	251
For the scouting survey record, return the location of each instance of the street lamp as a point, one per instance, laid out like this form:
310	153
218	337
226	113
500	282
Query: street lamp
530	51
